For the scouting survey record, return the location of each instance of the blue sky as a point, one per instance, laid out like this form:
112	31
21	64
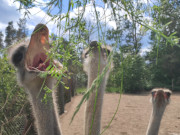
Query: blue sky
9	12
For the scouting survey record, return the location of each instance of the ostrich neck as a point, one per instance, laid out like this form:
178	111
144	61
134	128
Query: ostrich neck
45	112
94	100
155	120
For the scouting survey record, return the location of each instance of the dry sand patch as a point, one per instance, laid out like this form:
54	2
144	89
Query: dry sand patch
132	117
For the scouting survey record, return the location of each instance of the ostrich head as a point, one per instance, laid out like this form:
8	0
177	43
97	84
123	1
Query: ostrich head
33	57
30	58
160	97
36	58
92	54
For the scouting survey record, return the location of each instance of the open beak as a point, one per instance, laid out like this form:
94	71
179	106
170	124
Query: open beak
36	58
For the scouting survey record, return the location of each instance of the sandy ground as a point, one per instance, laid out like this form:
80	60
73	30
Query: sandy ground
132	117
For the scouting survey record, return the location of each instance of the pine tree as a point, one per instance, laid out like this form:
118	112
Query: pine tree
164	58
1	40
10	34
22	31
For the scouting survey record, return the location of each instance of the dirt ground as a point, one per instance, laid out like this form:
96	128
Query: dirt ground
132	117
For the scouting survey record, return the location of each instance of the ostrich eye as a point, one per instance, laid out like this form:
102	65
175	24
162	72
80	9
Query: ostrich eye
18	55
86	55
168	94
106	52
153	93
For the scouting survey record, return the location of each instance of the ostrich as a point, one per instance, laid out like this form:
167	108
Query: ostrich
91	62
30	61
160	99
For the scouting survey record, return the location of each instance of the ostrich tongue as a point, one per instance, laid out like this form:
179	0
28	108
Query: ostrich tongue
36	57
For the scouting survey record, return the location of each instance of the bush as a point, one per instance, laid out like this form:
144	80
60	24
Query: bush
113	90
81	90
133	72
13	98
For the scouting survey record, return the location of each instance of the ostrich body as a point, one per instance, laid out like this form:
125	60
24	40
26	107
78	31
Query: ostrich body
160	99
94	58
30	61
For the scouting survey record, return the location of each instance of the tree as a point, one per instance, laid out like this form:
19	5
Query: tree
165	12
22	30
130	67
127	57
13	98
163	59
1	40
164	67
10	34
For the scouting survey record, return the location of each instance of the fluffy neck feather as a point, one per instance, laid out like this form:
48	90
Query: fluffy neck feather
155	120
45	113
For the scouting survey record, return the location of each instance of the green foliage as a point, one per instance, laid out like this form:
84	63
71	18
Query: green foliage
164	72
1	40
131	70
134	71
163	59
10	34
22	30
113	90
80	90
12	96
134	74
81	79
47	96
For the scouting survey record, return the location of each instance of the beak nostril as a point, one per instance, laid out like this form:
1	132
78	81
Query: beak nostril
40	61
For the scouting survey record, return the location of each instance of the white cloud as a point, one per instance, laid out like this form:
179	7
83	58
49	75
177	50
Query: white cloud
30	26
11	3
146	47
146	1
144	50
104	14
39	16
9	13
2	28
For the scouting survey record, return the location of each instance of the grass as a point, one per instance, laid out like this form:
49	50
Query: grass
108	90
113	90
81	90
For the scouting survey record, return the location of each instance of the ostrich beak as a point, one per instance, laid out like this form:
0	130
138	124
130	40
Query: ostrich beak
36	58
